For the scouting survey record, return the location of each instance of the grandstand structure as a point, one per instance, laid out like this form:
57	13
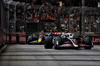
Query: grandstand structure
30	16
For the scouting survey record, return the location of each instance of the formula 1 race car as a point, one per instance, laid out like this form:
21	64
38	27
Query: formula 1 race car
36	39
68	40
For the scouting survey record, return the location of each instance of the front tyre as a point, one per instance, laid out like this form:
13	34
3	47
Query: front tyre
48	43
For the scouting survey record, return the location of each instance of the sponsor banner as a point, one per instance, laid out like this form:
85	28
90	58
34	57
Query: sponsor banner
13	38
7	38
96	39
22	38
4	37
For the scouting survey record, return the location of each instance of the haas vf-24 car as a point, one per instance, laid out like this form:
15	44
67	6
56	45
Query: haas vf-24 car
68	40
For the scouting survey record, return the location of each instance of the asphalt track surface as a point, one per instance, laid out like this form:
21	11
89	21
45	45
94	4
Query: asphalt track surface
37	55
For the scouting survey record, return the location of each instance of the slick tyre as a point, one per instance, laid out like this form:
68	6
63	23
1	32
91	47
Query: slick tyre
29	39
87	41
48	43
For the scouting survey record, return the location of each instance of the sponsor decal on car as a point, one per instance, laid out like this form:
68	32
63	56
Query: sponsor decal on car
40	39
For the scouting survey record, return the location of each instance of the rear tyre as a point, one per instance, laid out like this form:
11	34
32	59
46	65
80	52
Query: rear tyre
87	41
29	39
48	43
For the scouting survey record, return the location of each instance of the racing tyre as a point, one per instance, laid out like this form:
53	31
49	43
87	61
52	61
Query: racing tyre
48	43
87	41
29	39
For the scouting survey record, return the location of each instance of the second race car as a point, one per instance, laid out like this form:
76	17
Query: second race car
36	39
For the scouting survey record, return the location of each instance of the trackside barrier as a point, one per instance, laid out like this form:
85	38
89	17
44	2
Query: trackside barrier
13	38
1	37
8	39
17	38
4	37
22	38
96	40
